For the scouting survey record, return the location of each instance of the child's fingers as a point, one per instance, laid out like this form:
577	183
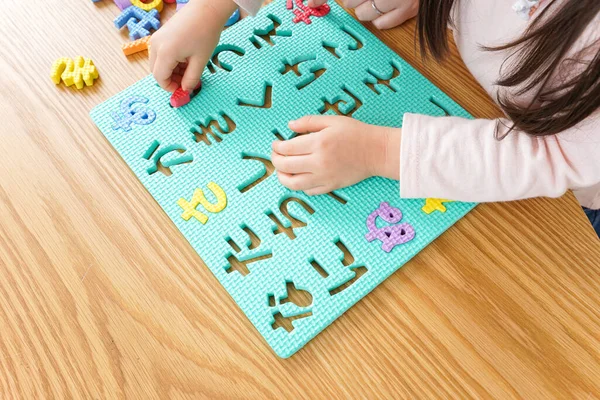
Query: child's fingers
298	146
152	54
180	69
311	123
316	3
291	164
192	73
176	79
317	191
162	71
178	75
298	181
173	86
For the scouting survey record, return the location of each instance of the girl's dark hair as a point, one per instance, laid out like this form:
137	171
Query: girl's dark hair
541	50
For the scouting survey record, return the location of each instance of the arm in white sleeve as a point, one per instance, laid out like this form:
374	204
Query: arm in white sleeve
460	159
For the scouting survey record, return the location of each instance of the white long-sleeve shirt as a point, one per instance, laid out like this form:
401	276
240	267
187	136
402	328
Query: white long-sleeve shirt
461	159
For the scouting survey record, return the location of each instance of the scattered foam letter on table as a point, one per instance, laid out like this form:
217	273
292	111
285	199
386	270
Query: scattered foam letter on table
138	22
148	5
74	72
136	46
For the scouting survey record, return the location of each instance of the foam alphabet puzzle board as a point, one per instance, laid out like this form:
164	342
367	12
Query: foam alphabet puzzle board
283	256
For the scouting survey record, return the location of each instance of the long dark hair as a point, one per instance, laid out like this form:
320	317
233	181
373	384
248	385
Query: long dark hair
540	51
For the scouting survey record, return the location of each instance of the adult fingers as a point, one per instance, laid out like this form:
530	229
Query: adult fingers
298	181
192	73
291	164
367	12
297	146
353	3
395	17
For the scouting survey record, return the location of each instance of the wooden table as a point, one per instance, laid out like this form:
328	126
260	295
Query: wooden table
101	297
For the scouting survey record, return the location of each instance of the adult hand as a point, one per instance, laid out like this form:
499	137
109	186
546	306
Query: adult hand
391	12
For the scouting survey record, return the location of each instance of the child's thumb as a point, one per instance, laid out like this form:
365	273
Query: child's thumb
316	3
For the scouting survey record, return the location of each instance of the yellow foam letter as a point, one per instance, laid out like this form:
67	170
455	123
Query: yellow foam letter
198	198
432	205
158	4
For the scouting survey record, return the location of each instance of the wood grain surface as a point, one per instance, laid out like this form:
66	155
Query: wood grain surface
101	297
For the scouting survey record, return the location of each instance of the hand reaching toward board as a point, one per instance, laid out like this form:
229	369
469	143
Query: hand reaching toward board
180	49
337	152
385	14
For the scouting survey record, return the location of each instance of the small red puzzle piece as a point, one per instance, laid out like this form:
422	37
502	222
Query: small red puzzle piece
181	97
303	13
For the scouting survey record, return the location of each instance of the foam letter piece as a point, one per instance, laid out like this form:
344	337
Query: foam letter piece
189	210
58	68
219	194
181	97
432	205
130	114
198	198
180	4
138	21
77	72
122	4
150	5
389	235
136	46
303	13
235	17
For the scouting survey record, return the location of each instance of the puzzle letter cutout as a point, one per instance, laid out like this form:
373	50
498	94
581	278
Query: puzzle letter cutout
292	263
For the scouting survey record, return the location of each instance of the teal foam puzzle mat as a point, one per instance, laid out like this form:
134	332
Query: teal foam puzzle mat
293	263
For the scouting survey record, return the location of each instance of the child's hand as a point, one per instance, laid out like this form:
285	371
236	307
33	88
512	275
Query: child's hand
339	152
393	12
181	49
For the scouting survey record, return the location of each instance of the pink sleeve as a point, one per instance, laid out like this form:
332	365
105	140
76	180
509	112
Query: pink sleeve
460	159
251	6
